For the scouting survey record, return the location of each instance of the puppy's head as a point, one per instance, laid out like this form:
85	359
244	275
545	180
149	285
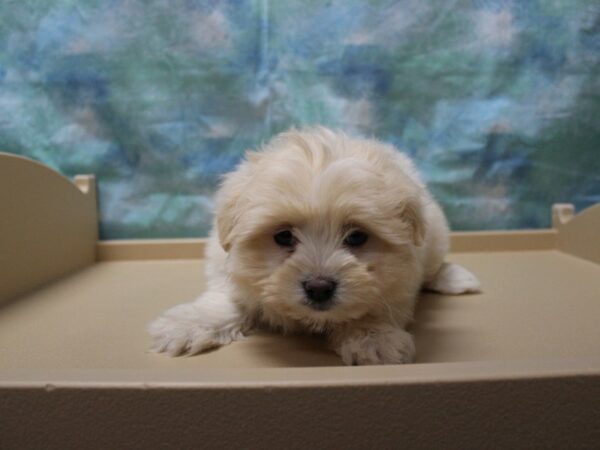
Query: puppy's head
320	227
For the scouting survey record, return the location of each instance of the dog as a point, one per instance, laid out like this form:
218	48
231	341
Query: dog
323	233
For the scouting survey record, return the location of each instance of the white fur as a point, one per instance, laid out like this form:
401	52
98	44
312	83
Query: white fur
454	279
319	184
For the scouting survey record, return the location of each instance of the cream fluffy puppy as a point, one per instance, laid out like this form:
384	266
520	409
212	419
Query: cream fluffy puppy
323	233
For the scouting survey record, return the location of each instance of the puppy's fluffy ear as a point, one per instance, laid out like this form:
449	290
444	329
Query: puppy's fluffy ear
228	209
230	198
411	213
225	222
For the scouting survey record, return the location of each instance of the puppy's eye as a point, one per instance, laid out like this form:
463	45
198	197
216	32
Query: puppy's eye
356	238
285	238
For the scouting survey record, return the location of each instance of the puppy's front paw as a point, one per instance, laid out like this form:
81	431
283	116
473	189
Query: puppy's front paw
454	279
182	330
380	345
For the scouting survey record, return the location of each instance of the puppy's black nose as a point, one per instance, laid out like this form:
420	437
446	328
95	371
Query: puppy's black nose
319	289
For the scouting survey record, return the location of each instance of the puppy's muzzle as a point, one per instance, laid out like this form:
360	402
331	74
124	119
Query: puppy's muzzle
319	290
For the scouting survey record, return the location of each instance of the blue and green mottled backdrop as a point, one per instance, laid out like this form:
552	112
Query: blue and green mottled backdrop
498	101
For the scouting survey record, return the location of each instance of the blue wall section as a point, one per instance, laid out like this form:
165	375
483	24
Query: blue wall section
497	101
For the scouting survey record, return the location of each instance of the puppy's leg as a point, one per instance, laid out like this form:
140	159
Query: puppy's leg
373	343
453	279
211	321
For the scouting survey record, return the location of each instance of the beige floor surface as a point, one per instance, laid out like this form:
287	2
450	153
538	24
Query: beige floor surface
535	305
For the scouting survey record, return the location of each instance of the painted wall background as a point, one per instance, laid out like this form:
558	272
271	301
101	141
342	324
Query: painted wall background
497	101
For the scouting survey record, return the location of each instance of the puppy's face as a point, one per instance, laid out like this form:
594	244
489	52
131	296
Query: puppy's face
319	241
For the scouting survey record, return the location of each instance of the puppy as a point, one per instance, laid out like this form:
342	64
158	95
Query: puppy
322	233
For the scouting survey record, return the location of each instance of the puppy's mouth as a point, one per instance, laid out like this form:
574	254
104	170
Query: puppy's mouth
320	306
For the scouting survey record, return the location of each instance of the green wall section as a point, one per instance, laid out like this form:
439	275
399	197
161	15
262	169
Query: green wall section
497	101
